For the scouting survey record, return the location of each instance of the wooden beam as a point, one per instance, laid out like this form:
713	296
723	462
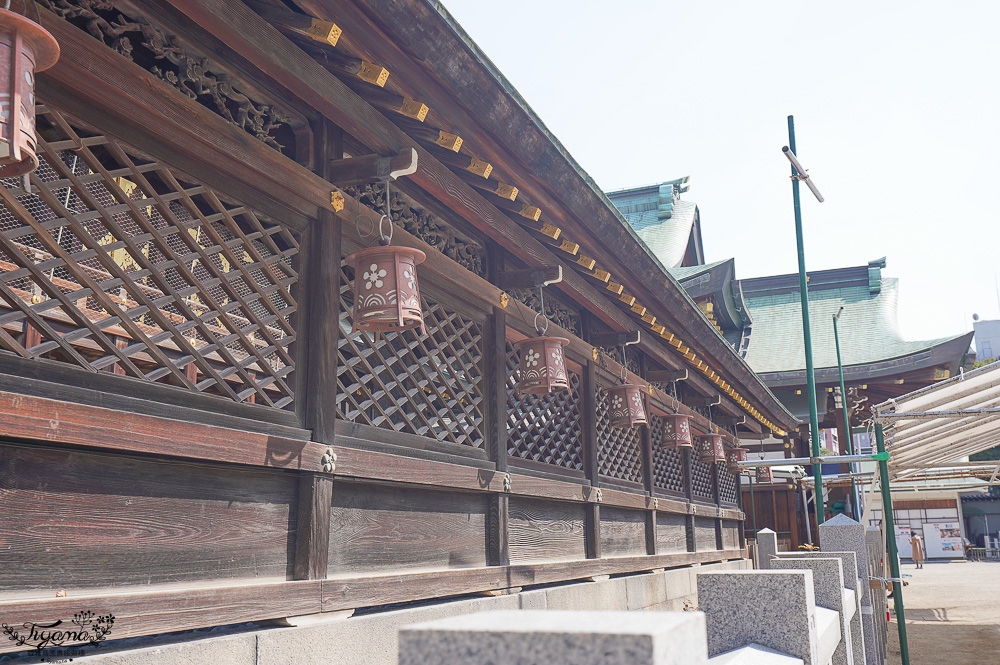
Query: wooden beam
615	340
458	158
496	192
668	376
372	168
387	100
530	278
324	32
341	64
442	144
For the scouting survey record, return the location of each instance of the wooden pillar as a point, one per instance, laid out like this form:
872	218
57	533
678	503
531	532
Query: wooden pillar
592	516
646	440
689	493
716	487
312	535
495	373
318	325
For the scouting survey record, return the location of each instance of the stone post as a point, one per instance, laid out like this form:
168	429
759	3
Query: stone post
767	548
842	534
828	581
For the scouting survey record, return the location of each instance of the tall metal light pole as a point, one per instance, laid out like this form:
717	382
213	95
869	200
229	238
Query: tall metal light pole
847	415
890	540
798	174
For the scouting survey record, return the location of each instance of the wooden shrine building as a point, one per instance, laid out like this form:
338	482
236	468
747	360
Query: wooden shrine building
191	435
761	319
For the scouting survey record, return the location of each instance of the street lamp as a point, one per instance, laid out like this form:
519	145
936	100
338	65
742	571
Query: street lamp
799	173
847	415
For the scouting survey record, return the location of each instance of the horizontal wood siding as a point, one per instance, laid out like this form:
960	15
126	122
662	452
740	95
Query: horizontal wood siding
730	534
671	533
377	528
623	532
82	520
545	530
704	534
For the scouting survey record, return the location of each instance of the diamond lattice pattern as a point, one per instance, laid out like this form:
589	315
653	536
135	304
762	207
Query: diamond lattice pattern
668	463
618	454
429	385
544	428
112	262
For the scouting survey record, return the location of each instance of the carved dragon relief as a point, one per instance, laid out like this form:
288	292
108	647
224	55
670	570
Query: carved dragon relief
162	55
424	225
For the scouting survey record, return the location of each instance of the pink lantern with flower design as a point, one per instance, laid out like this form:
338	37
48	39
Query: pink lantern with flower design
711	448
25	48
542	366
625	405
764	474
386	294
733	457
676	431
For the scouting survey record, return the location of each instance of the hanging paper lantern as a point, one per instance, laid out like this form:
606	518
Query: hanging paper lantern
626	405
542	367
764	474
733	456
711	448
25	48
676	431
386	295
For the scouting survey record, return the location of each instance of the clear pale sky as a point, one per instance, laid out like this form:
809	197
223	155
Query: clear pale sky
896	116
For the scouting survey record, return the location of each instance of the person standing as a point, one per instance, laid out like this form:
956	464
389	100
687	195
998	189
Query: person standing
917	546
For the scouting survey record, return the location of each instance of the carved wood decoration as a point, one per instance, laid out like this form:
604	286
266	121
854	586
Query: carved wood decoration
115	263
134	37
668	463
426	226
631	358
430	385
555	311
544	428
619	450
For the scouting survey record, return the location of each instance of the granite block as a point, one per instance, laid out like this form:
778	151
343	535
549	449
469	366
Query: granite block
842	534
767	548
828	581
851	582
754	654
773	608
527	637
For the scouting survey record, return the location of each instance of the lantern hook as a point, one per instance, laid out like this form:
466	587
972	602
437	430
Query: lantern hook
383	238
624	363
541	329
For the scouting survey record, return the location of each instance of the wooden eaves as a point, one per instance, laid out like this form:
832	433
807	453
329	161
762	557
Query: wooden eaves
567	195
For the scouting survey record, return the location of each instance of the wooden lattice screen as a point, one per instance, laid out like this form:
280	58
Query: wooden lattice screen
429	385
728	485
701	478
668	463
113	262
619	454
544	428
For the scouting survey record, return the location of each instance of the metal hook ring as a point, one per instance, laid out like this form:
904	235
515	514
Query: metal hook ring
541	329
381	235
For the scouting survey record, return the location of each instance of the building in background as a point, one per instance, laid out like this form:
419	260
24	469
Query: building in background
987	338
761	318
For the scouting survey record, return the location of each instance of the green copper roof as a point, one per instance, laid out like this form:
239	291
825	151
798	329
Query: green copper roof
868	328
660	219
